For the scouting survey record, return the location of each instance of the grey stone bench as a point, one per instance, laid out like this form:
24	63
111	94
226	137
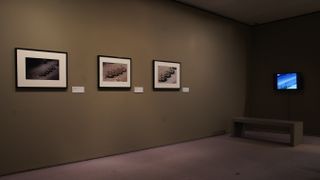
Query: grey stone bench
294	128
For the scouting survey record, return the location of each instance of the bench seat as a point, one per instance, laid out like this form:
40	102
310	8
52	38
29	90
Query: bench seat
294	128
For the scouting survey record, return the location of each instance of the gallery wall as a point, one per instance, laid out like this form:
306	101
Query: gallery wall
286	46
40	128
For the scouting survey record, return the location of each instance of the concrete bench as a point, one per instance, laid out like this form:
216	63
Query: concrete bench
294	128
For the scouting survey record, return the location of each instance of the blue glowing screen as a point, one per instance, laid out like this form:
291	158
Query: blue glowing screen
287	81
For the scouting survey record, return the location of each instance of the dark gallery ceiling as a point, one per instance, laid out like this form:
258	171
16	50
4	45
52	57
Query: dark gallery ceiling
255	12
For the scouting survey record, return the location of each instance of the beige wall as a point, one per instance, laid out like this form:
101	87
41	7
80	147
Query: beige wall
44	128
286	46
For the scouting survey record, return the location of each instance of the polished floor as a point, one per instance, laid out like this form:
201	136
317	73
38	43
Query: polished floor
220	158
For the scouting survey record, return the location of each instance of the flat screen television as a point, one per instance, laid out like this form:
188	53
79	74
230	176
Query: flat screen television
288	81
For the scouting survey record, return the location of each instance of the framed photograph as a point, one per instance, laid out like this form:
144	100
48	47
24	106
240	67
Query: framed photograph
41	68
166	75
114	72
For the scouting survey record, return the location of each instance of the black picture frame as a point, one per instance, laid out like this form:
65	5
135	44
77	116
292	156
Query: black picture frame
114	72
166	75
42	69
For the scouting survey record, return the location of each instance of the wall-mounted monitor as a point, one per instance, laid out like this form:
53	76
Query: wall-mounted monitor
288	81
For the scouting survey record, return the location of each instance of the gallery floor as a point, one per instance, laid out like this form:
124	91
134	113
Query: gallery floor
221	158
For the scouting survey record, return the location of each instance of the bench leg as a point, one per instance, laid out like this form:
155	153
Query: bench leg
237	129
296	135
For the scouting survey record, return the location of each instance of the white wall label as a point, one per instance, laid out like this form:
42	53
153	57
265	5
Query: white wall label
138	89
186	89
78	89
